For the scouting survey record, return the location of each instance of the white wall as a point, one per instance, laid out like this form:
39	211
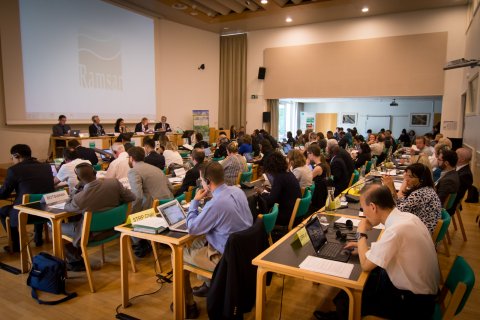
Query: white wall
181	87
379	107
451	20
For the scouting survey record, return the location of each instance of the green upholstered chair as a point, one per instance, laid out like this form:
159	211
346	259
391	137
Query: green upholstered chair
301	208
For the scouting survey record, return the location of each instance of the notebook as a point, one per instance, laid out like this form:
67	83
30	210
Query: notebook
324	249
174	215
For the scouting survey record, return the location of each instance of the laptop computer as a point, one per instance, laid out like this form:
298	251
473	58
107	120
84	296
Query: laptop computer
75	133
106	158
324	249
174	215
54	169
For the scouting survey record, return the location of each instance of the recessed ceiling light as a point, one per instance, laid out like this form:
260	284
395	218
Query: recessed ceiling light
194	13
365	9
264	1
288	19
179	6
226	28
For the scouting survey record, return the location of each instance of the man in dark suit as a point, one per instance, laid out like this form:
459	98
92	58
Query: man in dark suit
448	182
151	156
26	176
163	126
464	174
142	126
338	170
95	195
61	129
192	175
82	152
344	155
96	129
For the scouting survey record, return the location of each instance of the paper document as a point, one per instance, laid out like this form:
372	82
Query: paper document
344	220
325	266
361	214
175	180
397	185
60	205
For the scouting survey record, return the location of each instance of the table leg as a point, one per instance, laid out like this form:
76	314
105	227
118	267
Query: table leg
261	291
57	237
178	294
22	230
124	243
355	305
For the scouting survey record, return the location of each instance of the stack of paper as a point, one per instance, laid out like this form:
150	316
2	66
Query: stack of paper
325	266
152	225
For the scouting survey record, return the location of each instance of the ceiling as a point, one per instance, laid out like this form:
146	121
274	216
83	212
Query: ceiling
231	16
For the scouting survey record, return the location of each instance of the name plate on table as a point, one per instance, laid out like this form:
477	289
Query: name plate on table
140	216
301	238
55	197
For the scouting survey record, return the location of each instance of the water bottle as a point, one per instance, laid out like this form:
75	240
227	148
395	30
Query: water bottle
362	172
374	164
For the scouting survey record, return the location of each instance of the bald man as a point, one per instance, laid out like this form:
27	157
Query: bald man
90	194
465	176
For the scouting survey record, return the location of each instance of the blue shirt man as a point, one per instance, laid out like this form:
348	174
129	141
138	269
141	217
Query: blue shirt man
227	212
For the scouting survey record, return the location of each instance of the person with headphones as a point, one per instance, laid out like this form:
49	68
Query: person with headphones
90	194
25	176
417	195
404	274
227	212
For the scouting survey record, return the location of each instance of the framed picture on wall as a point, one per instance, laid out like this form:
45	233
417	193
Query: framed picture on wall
349	118
419	119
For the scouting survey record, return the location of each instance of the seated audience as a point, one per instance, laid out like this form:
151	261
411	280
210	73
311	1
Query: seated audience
227	212
82	152
343	141
94	195
61	128
389	140
322	142
416	195
290	139
146	181
404	138
233	164
405	277
342	153
192	175
339	172
245	146
464	174
163	126
364	154
299	137
233	132
172	156
421	146
298	166
66	173
119	167
267	136
151	156
200	142
25	176
379	146
320	174
222	143
449	181
285	187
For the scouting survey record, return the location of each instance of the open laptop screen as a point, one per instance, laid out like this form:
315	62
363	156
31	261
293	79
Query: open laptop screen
316	234
173	213
54	169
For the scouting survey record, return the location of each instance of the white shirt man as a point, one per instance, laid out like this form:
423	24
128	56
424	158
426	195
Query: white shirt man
119	167
67	171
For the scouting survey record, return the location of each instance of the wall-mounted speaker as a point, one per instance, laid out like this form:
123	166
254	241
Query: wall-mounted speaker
261	73
266	117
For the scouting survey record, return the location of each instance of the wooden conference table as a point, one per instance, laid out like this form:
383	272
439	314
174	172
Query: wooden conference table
38	209
104	142
176	241
284	257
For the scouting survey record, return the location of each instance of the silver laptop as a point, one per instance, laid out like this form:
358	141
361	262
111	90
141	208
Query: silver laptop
174	215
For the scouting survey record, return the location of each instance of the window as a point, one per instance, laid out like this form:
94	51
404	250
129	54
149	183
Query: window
473	95
287	119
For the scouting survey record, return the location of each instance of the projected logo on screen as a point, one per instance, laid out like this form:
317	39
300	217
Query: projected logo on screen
99	63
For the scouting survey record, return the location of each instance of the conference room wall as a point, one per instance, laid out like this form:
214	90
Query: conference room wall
450	20
181	87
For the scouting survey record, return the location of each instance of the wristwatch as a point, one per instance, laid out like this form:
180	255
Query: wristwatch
359	235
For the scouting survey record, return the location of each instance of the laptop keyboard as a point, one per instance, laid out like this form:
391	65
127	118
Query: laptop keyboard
183	226
329	250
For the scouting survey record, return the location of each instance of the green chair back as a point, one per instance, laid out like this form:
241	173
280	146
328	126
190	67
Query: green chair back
246	176
304	204
181	197
184	154
450	201
218	159
97	167
163	201
270	219
107	220
35	197
461	272
311	188
356	176
368	166
446	223
250	166
165	170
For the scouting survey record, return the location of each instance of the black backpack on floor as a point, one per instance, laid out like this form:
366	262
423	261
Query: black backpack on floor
48	274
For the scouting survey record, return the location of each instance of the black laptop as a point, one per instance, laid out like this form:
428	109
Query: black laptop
324	249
